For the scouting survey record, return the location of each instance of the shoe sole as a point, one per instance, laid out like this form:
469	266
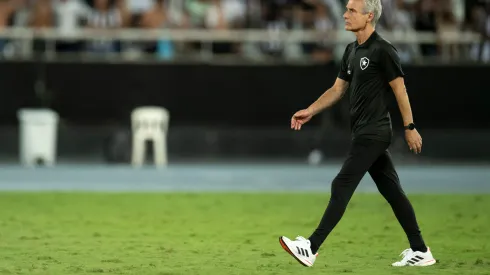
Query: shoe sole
428	263
285	247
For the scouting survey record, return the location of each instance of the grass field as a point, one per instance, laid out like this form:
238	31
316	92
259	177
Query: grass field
75	233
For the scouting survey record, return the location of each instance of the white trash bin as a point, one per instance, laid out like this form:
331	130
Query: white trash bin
38	136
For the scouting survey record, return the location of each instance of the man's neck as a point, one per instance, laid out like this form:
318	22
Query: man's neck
364	34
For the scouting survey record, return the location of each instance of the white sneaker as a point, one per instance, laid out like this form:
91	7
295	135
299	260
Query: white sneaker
300	249
416	258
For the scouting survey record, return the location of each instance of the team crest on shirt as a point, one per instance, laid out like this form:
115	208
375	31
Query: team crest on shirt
364	63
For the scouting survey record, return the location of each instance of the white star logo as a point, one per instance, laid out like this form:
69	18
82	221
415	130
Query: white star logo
364	63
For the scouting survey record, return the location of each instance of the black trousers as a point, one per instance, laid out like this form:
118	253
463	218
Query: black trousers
367	155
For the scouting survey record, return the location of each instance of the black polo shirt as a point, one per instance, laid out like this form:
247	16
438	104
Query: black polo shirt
369	68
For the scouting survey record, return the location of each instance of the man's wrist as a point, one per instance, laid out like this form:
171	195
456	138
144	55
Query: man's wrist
409	126
311	110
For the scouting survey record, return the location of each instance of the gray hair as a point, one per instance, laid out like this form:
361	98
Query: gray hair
375	7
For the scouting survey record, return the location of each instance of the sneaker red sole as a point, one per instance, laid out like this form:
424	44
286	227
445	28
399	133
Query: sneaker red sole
285	247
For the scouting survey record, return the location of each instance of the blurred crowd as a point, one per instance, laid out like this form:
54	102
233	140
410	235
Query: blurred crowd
437	16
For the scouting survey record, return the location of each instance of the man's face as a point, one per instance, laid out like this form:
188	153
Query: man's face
354	16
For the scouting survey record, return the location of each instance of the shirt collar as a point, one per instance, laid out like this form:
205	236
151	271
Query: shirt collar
369	41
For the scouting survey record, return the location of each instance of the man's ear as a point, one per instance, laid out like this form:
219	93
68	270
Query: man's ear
371	17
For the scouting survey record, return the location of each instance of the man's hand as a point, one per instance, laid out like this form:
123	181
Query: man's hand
327	99
414	140
300	118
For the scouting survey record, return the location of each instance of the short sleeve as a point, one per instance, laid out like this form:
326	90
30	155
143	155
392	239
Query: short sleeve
390	61
344	65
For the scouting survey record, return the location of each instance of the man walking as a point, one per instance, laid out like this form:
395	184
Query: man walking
371	69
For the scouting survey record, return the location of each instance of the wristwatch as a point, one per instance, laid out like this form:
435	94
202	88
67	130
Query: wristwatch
410	126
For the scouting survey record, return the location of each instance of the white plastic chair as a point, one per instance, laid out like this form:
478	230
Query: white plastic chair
149	123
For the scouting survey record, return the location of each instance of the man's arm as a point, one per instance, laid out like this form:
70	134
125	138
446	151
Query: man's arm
398	86
413	137
330	97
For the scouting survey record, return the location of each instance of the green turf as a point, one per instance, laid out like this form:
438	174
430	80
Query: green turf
230	234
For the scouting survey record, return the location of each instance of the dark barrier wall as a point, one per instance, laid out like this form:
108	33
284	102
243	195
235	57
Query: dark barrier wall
441	97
